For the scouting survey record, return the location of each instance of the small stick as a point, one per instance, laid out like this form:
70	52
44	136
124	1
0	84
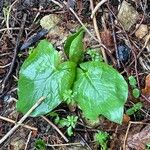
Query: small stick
66	144
130	45
115	42
57	3
146	42
5	54
127	131
8	15
139	53
15	54
2	67
29	137
38	13
56	128
85	142
126	135
145	98
97	33
81	23
138	26
97	7
73	12
14	122
21	120
17	28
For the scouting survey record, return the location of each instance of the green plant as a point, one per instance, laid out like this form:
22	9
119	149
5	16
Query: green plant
95	54
40	145
69	122
55	116
133	83
136	107
136	93
148	146
69	97
99	89
101	139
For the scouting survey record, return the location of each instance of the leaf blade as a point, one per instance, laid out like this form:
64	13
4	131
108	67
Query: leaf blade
98	91
42	74
74	47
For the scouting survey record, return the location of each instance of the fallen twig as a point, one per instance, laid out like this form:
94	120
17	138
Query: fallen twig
97	33
8	15
57	3
16	28
56	128
145	98
93	37
73	12
146	42
97	7
66	144
135	57
2	67
22	120
29	137
115	42
15	54
14	122
127	131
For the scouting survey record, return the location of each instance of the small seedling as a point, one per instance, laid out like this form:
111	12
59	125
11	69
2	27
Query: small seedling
68	97
136	93
101	139
133	84
132	81
69	122
95	54
40	145
136	107
55	116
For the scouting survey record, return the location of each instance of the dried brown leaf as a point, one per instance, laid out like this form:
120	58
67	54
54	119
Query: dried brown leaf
127	15
141	31
146	90
126	119
107	38
138	141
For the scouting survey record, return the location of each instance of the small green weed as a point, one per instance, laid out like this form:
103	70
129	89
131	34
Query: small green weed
69	97
136	107
40	144
69	122
101	139
95	54
133	84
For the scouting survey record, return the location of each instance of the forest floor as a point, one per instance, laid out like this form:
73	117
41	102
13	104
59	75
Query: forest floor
121	29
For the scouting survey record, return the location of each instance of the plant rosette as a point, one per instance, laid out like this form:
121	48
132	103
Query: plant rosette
99	88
